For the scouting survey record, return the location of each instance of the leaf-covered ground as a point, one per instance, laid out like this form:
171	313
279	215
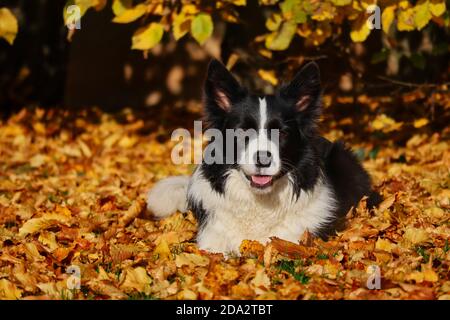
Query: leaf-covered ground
72	193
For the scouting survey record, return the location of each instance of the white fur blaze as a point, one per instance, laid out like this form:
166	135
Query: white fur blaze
168	196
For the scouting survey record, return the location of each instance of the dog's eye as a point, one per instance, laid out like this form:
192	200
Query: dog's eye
283	134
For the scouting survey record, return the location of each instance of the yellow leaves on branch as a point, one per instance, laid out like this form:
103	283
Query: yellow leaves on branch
406	20
238	2
128	15
360	30
341	2
417	17
202	27
422	15
281	39
83	6
387	18
119	6
437	7
8	25
315	21
147	37
181	25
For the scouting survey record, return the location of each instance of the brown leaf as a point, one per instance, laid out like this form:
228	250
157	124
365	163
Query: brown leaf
293	250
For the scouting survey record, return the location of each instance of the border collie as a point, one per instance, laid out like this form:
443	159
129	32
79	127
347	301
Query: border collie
303	182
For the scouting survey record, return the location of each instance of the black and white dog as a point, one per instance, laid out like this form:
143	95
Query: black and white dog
300	182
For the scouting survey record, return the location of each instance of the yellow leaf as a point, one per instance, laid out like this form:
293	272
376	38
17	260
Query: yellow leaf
435	212
325	11
405	20
190	9
85	149
404	4
385	124
106	289
127	142
265	53
420	122
132	14
136	279
268	75
360	30
387	203
281	39
119	6
181	25
147	37
274	22
437	7
133	211
341	2
388	17
261	282
8	25
425	275
9	291
83	6
162	250
422	15
32	252
187	294
191	260
38	160
267	2
416	235
47	220
383	244
232	59
430	275
238	2
202	27
48	239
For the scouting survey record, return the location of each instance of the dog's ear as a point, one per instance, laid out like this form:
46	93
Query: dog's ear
221	89
304	90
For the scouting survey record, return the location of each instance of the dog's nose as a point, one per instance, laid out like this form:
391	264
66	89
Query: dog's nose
263	159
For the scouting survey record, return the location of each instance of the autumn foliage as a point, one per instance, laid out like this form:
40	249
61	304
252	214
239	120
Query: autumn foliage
73	183
72	193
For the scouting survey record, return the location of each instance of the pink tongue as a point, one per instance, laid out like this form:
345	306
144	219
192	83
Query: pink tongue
261	180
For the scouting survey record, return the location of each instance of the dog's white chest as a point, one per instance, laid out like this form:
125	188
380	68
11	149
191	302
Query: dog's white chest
240	214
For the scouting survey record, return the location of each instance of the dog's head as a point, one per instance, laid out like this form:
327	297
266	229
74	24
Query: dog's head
265	137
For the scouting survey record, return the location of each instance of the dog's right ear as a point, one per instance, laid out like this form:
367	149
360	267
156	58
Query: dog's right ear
221	89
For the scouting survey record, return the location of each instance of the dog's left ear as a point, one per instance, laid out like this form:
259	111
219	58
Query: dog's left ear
304	90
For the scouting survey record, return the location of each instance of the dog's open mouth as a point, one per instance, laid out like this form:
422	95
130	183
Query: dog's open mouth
261	181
